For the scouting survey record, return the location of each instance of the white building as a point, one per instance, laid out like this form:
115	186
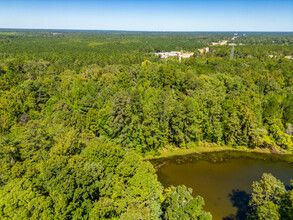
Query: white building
179	54
223	42
204	50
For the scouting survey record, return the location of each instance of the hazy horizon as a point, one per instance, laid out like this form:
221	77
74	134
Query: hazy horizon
110	30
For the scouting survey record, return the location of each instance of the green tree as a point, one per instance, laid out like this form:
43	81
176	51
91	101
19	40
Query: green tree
267	198
179	204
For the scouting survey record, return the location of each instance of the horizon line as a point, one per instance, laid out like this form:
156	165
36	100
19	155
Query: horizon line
123	30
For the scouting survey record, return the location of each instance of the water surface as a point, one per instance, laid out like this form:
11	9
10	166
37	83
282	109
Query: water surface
225	186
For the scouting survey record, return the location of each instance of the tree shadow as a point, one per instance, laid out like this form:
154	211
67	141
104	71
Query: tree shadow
240	200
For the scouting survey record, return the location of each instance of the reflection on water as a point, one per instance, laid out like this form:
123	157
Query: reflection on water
240	200
225	186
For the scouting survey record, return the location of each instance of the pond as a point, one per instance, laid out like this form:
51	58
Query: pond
223	179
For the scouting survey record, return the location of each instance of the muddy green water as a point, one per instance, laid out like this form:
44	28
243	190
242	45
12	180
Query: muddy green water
225	185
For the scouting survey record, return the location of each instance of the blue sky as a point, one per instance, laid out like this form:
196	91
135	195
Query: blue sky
181	15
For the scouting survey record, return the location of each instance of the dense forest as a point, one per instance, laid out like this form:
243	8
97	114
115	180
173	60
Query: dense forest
80	109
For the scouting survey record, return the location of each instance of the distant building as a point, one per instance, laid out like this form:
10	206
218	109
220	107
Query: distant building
186	55
224	42
168	54
179	54
54	34
204	50
176	52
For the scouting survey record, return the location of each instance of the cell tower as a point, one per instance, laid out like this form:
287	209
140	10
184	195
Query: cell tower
232	51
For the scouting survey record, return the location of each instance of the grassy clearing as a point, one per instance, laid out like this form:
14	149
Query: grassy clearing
169	151
93	44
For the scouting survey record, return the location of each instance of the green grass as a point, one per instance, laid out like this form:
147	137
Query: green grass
169	151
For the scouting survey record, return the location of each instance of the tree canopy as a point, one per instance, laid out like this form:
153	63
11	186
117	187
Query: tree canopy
78	110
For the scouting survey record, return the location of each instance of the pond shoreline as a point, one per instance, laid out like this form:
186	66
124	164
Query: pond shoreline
216	154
